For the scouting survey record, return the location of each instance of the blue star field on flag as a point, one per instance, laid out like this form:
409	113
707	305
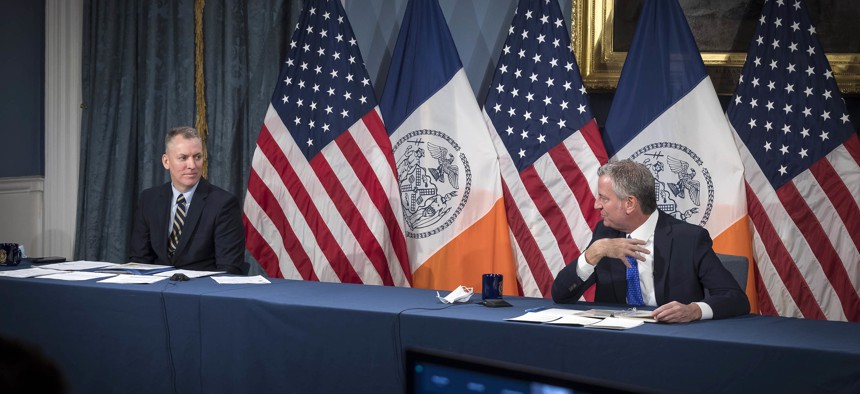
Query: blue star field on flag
537	98
787	108
325	87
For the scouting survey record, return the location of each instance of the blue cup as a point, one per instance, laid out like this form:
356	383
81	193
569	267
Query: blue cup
491	286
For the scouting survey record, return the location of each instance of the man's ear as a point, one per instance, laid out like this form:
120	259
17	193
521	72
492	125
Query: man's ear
631	204
165	162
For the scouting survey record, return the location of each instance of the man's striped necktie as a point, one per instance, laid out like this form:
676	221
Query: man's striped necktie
178	222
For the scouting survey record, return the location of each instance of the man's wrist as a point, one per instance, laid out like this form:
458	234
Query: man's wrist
705	311
590	258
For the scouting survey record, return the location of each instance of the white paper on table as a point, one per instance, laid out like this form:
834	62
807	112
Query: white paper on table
188	273
534	317
617	323
238	280
28	272
77	265
77	275
575	320
559	312
637	314
135	279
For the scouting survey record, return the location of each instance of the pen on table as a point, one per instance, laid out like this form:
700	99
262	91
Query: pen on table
540	308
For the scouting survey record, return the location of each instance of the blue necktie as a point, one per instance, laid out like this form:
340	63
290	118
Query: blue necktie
634	293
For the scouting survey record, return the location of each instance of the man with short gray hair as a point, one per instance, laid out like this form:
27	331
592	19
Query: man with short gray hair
642	256
187	222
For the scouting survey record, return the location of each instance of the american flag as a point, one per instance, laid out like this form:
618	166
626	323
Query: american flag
322	201
801	156
548	143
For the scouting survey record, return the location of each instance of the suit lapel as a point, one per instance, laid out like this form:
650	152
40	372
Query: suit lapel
662	256
193	216
160	227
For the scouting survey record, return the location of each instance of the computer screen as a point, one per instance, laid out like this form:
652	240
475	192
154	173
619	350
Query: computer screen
434	372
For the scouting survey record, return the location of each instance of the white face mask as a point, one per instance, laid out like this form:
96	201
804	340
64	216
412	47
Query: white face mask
460	294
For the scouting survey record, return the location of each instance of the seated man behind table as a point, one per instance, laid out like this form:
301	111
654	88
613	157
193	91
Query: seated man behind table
212	237
674	259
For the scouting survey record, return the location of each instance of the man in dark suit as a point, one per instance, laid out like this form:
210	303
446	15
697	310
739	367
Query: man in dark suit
187	222
639	255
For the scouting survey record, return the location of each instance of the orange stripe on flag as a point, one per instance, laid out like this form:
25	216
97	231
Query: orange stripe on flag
483	248
737	240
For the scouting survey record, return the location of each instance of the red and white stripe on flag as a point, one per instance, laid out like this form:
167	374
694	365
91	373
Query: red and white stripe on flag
807	235
329	219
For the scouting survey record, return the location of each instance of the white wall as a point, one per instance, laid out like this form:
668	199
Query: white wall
21	212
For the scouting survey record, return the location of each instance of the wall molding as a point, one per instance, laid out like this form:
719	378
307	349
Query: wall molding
22	185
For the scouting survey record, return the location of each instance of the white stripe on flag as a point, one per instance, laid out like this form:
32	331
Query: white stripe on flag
271	235
374	218
825	212
779	294
352	248
532	217
304	233
272	181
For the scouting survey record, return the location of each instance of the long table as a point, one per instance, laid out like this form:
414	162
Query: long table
295	336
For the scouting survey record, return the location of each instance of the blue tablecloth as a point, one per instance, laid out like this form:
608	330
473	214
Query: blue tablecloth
295	336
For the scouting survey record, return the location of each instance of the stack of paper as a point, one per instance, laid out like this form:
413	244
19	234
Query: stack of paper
595	318
634	313
137	268
28	272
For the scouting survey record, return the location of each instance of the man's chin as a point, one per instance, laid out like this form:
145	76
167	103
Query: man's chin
187	182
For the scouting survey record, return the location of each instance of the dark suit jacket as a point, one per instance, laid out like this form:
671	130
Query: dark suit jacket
684	265
212	239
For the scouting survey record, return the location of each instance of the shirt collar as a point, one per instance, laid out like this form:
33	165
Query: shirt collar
646	230
188	195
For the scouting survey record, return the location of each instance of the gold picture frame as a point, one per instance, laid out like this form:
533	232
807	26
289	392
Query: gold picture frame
592	32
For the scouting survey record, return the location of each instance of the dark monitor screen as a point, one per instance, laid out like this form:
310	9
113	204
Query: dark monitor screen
433	372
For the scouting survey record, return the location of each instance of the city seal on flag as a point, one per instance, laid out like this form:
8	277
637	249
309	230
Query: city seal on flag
435	180
682	182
